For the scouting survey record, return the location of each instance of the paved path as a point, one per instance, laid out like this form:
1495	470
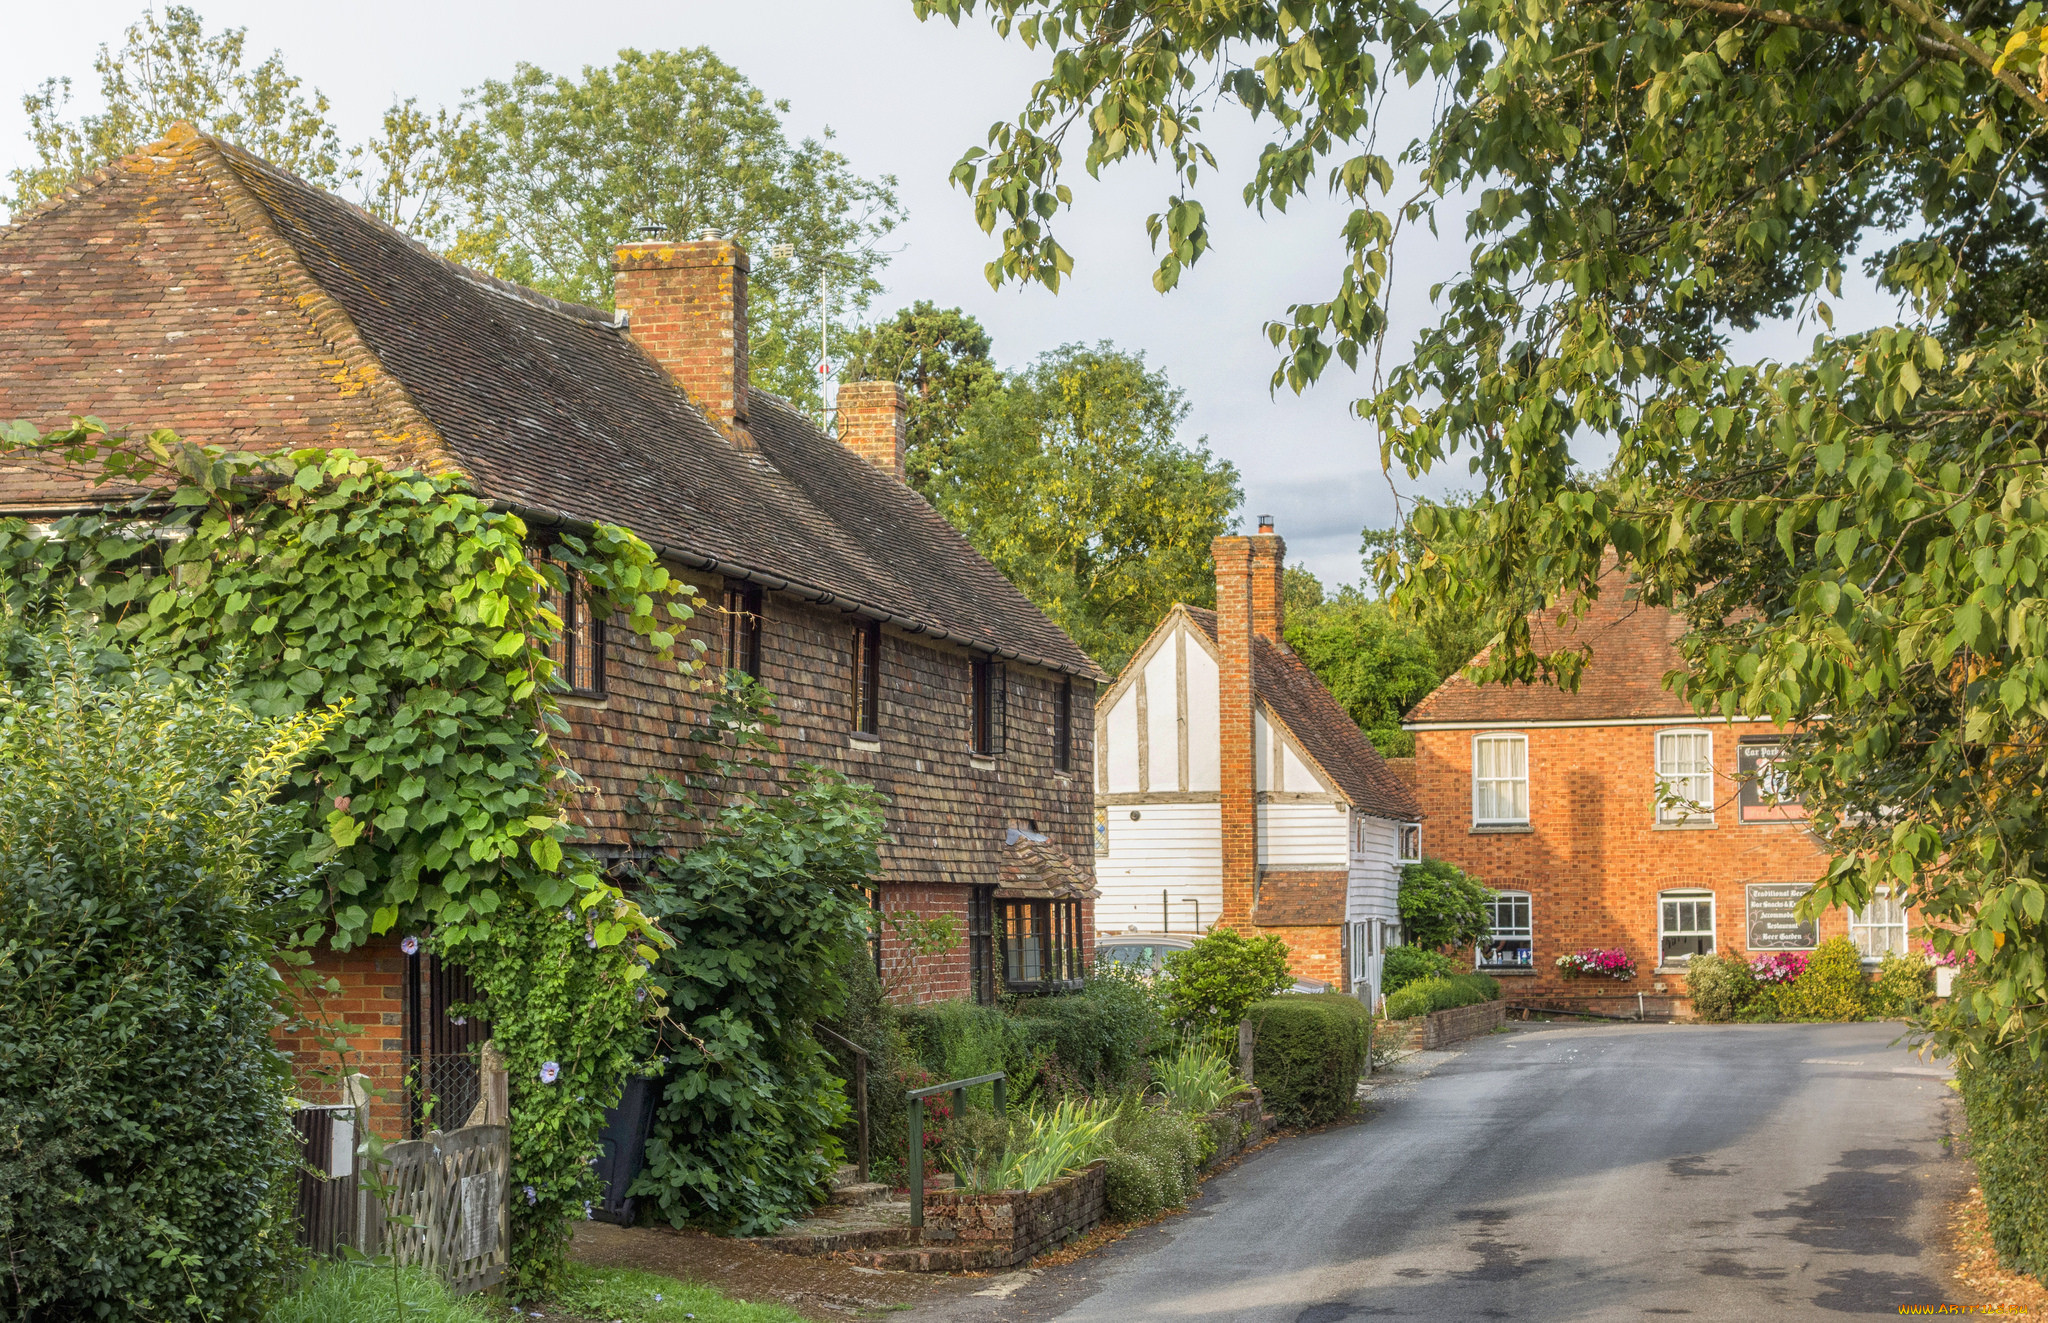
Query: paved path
1625	1172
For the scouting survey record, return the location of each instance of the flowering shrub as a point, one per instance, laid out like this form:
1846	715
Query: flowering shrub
1597	962
1948	959
1778	967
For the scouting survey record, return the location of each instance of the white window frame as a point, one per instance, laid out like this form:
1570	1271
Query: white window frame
1686	896
1505	741
1863	928
1525	933
1405	835
1671	784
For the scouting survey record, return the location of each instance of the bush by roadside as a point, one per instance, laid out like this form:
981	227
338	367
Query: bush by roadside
2005	1096
1308	1053
1828	985
1411	964
1442	994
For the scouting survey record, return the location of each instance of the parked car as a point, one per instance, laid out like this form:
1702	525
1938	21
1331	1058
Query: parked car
1147	952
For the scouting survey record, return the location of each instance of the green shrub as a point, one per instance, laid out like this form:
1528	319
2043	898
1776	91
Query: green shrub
1408	964
2005	1096
1196	1079
1100	1039
1441	905
1442	994
1044	1144
331	1292
956	1040
147	1159
1832	988
1307	1055
1900	987
1722	987
870	1021
1209	986
1153	1156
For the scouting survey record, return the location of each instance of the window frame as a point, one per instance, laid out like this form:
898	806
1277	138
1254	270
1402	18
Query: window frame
1407	835
1497	935
1053	930
1684	896
987	707
1063	725
867	677
982	971
1508	738
578	650
743	615
1702	811
1860	926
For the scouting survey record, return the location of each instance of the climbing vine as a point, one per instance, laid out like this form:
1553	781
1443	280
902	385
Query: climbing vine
436	806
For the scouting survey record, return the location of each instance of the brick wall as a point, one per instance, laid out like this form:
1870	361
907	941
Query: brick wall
1238	768
1312	952
366	1012
1594	858
687	304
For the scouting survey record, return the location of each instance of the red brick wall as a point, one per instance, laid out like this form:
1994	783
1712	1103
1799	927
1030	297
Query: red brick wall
1312	952
367	1013
1594	857
1238	768
873	423
688	308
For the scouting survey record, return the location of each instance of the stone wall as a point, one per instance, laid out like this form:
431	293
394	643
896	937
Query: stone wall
1237	1125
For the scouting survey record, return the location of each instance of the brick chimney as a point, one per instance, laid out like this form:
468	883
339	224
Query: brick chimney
1269	561
1247	605
874	422
686	305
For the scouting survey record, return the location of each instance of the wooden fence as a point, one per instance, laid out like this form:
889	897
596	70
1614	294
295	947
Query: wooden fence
447	1209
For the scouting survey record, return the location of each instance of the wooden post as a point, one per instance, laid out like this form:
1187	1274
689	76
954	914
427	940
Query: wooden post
1244	1049
497	1094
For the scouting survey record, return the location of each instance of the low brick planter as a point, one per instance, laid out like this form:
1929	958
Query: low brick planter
1237	1125
1443	1028
965	1231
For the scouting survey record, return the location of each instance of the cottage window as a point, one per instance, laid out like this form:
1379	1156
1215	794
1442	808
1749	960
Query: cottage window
988	700
867	677
1685	926
742	650
1411	843
1685	776
1063	726
1362	951
1880	926
981	952
1041	944
578	649
1500	779
1509	944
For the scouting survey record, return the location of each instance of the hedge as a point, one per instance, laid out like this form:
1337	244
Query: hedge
1412	964
1308	1053
1442	994
2006	1098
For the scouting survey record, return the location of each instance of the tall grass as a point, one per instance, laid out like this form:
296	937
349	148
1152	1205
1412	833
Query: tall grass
1043	1146
1194	1080
366	1293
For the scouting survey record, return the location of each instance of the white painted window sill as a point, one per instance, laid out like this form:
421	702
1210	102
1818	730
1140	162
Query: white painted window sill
981	764
592	701
1496	828
865	743
1708	825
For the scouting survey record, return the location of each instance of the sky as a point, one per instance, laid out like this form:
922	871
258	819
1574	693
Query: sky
906	99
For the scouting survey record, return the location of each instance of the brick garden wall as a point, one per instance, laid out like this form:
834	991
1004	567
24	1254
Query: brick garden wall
367	1011
1593	858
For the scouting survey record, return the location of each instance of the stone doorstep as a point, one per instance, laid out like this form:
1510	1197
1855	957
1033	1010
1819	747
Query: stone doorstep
859	1193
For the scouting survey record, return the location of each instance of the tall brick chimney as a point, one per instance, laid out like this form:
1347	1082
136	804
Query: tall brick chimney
1247	605
874	423
686	305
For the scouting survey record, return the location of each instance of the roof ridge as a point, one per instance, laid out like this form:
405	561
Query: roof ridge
81	185
321	310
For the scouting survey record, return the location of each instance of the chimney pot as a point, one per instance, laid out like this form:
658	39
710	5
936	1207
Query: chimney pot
1265	523
686	306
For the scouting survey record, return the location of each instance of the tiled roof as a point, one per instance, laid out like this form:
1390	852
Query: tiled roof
1319	723
1301	897
552	409
1632	648
1033	870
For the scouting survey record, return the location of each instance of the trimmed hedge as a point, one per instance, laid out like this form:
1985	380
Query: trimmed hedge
1412	964
1308	1053
1442	994
2006	1098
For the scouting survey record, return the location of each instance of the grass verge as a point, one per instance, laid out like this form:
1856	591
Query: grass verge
633	1296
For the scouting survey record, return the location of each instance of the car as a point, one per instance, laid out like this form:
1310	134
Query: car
1147	952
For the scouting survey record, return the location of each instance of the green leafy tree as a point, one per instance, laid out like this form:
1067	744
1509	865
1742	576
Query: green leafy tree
1377	666
563	170
146	1150
169	69
941	357
1210	986
1071	480
1857	537
1442	906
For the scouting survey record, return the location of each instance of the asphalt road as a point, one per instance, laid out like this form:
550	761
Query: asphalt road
1624	1172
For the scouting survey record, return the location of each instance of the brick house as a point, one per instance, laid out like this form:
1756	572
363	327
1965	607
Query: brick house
1616	816
194	287
1232	789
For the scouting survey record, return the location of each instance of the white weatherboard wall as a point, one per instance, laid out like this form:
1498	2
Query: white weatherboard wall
1302	834
1177	848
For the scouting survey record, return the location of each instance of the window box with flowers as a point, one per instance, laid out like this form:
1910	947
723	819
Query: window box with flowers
1603	962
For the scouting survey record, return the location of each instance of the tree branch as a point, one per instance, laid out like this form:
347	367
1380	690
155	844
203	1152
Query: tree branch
1927	44
1972	52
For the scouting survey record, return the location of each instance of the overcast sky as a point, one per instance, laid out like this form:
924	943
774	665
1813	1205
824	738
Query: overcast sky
906	99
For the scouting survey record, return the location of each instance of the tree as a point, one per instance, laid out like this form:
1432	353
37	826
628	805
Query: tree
171	70
1374	664
675	143
1071	480
942	359
1442	906
1857	538
1210	986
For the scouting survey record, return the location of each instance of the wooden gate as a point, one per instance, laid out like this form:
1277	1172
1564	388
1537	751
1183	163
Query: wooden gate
447	1212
